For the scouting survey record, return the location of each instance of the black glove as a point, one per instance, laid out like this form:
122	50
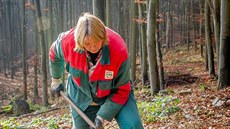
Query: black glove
98	124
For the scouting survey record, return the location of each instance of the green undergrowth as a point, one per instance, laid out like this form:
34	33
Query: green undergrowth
51	122
160	108
41	120
155	109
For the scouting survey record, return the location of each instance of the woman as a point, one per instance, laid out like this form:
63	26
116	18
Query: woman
98	67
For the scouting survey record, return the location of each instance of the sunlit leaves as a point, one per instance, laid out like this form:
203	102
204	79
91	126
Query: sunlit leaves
50	122
11	124
158	109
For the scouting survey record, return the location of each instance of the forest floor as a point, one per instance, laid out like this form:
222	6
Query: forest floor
185	78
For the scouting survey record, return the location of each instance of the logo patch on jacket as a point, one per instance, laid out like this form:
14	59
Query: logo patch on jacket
108	74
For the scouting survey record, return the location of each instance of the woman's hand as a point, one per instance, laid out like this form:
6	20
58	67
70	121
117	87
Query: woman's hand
56	87
99	122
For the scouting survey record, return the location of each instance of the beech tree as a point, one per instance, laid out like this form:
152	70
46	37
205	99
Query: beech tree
224	55
24	51
151	47
209	47
43	53
133	39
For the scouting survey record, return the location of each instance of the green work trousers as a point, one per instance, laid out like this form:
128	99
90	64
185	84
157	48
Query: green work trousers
127	118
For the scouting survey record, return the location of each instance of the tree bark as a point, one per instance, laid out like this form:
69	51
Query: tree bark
144	64
188	13
151	45
159	55
43	52
4	40
9	39
99	9
208	40
201	30
108	19
216	20
50	30
24	52
168	27
133	39
224	55
36	57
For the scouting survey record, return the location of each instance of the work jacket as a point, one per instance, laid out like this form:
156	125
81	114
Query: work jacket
108	85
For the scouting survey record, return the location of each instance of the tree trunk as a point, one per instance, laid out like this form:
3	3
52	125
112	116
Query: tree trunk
43	52
151	45
61	16
133	39
208	40
159	55
224	55
188	11
168	26
108	20
9	39
216	20
201	30
184	22
4	41
99	9
36	57
50	30
24	52
171	25
193	24
144	64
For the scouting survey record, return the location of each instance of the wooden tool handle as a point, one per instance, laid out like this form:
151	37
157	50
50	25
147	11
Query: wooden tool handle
91	124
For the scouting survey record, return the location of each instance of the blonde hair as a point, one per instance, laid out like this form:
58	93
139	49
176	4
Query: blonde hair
89	25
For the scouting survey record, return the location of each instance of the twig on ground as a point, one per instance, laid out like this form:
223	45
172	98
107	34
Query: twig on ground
34	114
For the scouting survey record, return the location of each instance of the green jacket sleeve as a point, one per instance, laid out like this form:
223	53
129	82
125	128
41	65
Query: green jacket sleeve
56	59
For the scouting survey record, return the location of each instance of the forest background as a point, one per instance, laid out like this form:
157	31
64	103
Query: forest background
179	59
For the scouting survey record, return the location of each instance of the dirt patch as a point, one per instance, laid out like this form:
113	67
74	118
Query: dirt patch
182	79
9	88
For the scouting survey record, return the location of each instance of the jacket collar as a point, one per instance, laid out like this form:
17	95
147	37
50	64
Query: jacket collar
79	51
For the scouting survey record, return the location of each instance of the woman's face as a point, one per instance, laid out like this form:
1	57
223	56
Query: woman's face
91	46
